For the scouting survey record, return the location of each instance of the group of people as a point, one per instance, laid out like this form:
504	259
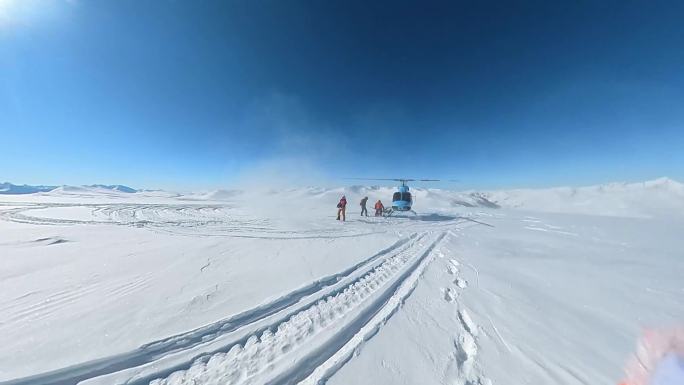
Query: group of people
342	208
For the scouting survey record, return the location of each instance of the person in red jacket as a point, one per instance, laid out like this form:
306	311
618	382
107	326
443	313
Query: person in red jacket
342	209
379	208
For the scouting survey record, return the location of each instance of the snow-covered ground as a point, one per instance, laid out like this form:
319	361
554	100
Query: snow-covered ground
102	286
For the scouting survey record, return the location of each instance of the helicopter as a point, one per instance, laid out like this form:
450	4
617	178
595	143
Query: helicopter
402	200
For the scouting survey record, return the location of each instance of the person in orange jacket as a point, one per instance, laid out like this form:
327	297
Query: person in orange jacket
379	208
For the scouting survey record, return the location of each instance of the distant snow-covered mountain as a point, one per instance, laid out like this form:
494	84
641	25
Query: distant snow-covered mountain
114	187
659	197
95	189
12	189
662	196
9	188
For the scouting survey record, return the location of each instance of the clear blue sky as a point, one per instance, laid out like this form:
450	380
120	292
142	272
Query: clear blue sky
198	94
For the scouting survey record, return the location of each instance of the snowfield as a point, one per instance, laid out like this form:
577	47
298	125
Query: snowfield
553	286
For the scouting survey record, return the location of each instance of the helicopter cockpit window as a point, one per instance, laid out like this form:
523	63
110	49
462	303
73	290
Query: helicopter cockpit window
396	196
406	197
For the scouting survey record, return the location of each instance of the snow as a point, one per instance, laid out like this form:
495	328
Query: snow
102	286
9	188
660	197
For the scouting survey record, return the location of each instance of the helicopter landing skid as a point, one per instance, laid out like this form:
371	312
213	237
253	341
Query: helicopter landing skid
388	212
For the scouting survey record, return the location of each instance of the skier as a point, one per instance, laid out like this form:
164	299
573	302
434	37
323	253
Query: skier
342	208
363	206
379	208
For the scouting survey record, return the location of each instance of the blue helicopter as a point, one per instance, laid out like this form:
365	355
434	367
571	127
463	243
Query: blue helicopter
402	200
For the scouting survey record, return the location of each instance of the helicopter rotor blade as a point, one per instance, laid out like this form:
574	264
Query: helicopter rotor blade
397	179
392	179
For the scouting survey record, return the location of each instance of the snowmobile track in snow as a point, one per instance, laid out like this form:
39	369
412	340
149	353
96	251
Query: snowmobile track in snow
313	343
214	220
272	314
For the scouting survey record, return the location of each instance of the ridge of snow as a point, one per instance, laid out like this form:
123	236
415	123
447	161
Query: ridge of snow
9	188
221	194
114	187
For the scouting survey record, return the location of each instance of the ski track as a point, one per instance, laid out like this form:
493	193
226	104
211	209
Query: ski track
217	220
24	310
345	353
320	337
551	229
284	308
191	220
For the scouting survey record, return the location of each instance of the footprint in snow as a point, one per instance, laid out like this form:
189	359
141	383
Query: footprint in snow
449	294
461	283
465	369
452	266
467	322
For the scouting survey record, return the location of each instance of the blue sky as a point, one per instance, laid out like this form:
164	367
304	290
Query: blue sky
203	94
